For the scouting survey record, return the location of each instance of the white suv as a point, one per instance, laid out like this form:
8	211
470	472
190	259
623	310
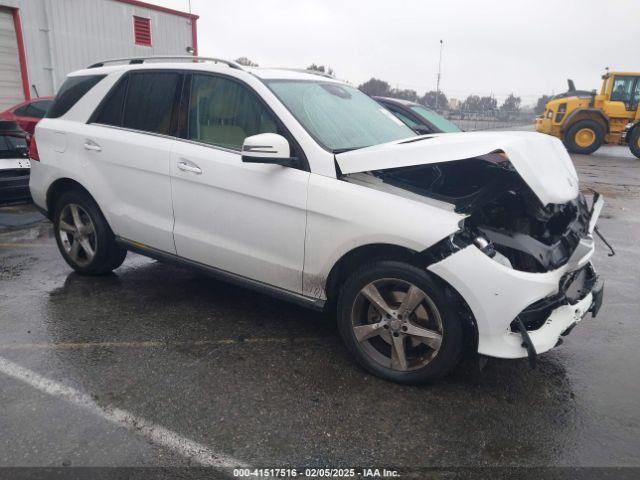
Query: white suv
305	188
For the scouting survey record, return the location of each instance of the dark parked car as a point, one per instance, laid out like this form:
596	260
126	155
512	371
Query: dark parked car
418	117
28	114
14	163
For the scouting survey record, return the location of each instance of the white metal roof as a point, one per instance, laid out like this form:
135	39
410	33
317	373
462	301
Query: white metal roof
209	65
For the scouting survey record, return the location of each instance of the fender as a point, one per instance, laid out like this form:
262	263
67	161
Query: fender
589	113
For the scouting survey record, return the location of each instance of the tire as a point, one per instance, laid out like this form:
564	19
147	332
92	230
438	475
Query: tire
426	358
94	235
584	137
634	141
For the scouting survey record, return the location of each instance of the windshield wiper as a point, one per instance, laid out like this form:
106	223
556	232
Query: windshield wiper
348	149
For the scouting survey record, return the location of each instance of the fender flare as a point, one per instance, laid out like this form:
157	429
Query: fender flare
591	112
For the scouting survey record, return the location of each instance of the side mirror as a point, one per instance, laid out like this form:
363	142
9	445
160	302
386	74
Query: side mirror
267	148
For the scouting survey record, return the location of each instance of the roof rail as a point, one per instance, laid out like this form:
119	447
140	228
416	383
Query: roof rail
310	72
190	58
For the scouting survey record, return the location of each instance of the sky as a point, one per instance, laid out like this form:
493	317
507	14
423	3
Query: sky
527	47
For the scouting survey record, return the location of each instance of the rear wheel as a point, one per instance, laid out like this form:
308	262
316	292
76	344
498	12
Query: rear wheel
397	323
634	141
584	136
84	238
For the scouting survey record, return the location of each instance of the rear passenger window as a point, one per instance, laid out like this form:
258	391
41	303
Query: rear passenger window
223	112
113	106
150	101
72	90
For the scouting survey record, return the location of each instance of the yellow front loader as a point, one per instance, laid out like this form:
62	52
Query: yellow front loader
586	120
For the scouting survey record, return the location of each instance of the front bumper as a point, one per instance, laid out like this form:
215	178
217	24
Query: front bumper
497	295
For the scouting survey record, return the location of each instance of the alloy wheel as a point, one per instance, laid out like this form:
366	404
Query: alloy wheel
397	324
77	234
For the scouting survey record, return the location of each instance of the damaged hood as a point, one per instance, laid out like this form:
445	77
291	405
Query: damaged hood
541	160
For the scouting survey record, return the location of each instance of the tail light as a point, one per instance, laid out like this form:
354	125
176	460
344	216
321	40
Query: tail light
33	150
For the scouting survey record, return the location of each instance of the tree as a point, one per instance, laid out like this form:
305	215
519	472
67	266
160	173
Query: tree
375	87
472	103
541	104
488	104
429	100
320	68
511	104
244	61
410	95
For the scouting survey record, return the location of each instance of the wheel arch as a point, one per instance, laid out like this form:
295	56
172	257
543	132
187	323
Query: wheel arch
61	186
359	256
585	114
363	254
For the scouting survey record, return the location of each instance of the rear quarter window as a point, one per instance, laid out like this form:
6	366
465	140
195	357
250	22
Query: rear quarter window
72	90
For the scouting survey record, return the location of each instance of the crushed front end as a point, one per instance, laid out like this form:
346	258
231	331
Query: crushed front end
523	268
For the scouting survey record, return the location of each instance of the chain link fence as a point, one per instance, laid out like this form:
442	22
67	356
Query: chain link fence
491	120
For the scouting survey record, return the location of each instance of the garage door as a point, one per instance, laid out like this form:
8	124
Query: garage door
10	77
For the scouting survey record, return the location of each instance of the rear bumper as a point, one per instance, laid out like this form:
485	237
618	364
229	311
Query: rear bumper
14	185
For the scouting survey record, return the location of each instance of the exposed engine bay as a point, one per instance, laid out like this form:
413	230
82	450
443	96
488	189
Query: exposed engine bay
501	208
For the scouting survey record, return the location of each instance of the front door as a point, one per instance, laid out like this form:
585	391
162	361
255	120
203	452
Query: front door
624	90
247	219
635	99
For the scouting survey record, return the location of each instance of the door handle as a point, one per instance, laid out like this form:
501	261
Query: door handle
92	146
189	167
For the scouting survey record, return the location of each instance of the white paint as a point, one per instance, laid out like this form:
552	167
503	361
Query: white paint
286	227
541	160
154	433
496	294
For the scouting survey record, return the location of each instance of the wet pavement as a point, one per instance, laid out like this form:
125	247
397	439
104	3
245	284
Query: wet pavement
270	384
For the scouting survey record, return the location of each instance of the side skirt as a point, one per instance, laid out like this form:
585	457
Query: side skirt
309	302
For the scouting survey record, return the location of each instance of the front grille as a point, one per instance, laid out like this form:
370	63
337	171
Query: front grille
574	286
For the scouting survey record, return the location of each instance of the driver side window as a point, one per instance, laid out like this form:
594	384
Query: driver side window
622	89
636	95
223	113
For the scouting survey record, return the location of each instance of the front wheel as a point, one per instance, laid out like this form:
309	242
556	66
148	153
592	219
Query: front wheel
84	238
584	136
634	141
398	323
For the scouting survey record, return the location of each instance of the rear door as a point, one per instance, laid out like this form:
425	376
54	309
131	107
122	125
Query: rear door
128	146
245	218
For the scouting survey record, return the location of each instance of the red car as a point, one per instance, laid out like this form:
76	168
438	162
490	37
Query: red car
28	114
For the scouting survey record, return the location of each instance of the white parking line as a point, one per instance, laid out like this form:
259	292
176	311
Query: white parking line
154	433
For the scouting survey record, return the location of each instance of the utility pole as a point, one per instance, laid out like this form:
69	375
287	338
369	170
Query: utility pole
439	71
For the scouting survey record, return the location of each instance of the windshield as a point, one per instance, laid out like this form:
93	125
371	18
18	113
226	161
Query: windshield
338	116
436	120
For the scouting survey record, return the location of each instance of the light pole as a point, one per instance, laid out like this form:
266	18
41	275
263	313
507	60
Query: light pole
439	68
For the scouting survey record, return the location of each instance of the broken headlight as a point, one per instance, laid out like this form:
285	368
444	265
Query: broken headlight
486	247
